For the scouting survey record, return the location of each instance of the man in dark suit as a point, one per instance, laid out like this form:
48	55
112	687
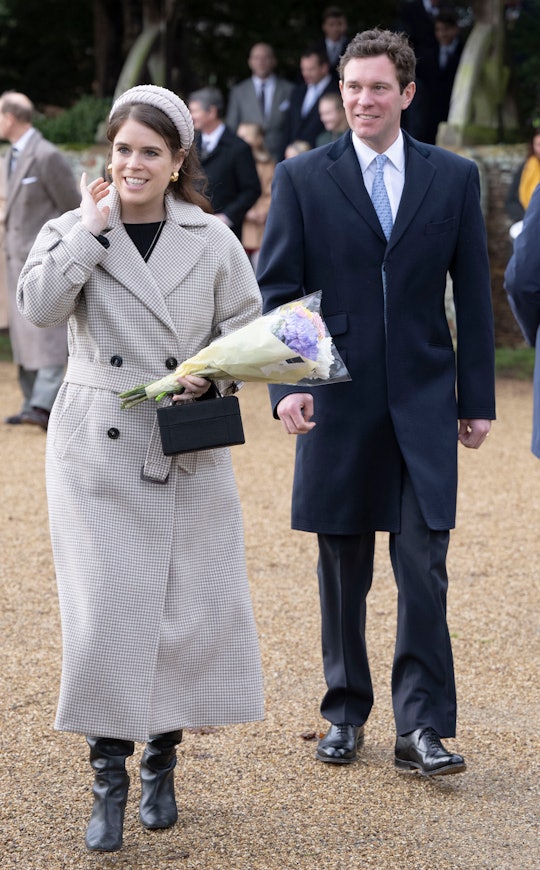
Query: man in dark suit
262	99
379	453
440	68
233	183
303	119
334	39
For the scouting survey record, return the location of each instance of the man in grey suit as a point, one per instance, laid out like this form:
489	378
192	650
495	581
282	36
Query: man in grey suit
262	99
40	185
375	221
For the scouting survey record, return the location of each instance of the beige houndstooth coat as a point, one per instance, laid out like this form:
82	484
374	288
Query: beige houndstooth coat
157	622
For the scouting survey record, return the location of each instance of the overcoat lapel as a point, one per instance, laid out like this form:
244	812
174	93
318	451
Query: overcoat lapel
152	282
346	172
21	168
419	175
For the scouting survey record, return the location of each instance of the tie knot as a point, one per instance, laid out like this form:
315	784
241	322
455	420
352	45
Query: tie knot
380	160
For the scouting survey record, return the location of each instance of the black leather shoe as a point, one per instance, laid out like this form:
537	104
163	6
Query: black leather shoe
32	417
339	744
421	751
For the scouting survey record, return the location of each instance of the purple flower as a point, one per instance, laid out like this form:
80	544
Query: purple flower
299	334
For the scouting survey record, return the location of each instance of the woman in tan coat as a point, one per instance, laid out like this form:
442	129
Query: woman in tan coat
158	629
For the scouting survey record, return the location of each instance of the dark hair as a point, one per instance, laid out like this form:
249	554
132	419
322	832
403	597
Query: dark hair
311	50
534	134
333	12
209	97
192	181
373	43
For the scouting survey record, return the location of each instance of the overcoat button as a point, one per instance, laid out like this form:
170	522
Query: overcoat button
116	361
113	433
171	363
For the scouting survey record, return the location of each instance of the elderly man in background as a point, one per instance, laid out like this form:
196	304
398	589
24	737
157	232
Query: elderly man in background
40	185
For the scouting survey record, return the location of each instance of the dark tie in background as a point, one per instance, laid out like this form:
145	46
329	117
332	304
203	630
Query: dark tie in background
379	197
262	100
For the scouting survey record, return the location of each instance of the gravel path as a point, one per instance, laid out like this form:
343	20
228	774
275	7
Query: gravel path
252	797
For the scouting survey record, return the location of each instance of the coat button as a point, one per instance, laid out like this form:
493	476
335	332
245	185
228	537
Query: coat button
171	363
113	433
116	361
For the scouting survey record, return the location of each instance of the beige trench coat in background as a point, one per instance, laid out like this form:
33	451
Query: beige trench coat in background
157	622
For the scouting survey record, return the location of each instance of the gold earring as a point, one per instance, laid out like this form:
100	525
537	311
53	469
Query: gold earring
109	167
174	176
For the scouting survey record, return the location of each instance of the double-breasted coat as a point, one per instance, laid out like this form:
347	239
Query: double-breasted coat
42	186
158	628
384	305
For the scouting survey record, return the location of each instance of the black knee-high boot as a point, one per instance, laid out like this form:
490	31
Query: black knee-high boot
158	804
111	783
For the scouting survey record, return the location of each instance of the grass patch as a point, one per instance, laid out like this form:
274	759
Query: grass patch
516	363
5	348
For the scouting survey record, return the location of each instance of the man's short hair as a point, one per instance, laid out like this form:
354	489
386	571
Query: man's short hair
208	97
373	43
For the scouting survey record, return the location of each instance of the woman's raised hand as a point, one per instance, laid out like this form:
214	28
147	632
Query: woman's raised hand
93	218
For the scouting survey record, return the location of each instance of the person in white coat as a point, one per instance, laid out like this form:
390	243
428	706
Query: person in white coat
157	621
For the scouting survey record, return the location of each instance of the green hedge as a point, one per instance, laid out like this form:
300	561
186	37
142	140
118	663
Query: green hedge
78	125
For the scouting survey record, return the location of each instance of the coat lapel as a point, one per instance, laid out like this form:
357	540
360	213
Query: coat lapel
346	172
24	161
174	257
419	174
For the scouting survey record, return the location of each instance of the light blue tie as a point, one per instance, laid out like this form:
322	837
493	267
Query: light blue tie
379	197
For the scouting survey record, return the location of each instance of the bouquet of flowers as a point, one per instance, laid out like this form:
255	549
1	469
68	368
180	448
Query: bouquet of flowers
289	345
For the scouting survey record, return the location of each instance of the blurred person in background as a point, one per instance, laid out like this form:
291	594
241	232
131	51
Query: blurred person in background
262	99
333	117
522	284
255	219
227	161
303	119
40	185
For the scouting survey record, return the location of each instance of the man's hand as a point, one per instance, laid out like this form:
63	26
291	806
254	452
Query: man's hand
295	412
473	433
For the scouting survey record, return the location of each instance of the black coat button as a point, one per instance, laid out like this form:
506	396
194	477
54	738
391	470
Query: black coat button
116	361
171	363
113	433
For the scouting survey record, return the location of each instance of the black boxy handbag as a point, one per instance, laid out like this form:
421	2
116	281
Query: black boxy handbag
200	425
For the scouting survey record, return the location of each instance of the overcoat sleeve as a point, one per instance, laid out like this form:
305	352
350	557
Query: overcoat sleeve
522	276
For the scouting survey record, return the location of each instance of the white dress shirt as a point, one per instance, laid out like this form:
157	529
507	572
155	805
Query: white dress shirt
313	93
394	168
210	140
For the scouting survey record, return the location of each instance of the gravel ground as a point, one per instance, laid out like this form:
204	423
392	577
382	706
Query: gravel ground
252	797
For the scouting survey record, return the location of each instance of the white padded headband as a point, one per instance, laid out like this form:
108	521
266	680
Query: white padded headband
169	103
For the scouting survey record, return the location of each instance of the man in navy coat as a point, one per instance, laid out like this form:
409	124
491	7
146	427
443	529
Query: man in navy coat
379	453
522	282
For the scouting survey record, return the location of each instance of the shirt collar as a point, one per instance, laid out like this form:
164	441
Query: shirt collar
22	142
267	81
366	155
210	140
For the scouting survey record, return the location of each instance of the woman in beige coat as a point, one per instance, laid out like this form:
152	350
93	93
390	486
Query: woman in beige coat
158	629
